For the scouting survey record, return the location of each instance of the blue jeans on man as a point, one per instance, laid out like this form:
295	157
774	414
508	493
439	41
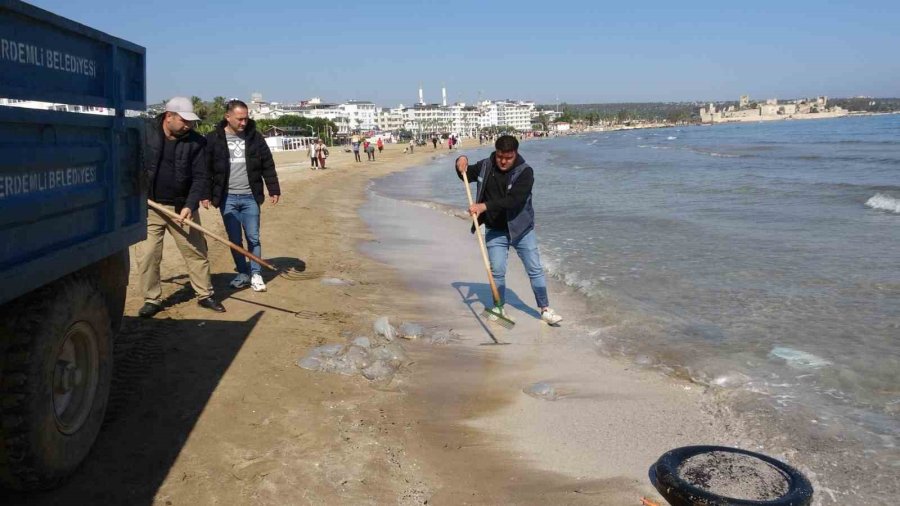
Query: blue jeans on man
498	244
240	213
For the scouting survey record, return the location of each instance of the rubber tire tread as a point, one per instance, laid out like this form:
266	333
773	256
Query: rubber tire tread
33	453
664	476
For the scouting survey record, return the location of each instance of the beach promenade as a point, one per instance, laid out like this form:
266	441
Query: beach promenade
212	408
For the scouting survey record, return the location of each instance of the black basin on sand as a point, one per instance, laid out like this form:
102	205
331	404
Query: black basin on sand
666	476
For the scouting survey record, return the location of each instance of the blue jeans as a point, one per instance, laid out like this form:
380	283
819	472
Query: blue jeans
241	216
498	251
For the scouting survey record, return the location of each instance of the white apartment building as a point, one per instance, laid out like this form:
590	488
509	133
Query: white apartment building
422	119
488	114
360	114
427	118
390	120
464	119
515	114
349	116
551	115
332	112
260	109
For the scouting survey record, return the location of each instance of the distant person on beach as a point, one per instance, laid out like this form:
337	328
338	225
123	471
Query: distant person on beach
354	145
449	142
380	144
176	171
366	145
313	157
412	145
321	153
434	141
370	152
239	162
503	205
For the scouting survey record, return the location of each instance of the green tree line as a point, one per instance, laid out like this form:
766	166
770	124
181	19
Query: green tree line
623	113
213	111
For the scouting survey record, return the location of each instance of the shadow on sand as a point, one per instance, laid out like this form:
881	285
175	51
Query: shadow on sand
165	372
473	294
481	293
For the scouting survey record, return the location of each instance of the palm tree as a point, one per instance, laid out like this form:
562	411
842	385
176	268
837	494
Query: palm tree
200	108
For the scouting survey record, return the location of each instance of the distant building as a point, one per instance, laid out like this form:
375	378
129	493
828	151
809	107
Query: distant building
360	114
771	110
422	118
515	114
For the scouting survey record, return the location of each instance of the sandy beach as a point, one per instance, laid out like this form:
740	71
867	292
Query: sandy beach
212	408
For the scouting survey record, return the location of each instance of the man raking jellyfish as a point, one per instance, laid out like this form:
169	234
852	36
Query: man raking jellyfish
503	206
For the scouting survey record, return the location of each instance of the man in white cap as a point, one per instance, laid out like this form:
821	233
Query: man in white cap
177	177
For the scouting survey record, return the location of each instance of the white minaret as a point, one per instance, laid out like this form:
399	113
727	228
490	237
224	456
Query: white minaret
421	96
444	95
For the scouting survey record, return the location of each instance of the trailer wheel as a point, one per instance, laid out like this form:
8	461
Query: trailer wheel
56	377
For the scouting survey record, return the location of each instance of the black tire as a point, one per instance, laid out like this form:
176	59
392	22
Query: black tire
111	274
55	378
678	492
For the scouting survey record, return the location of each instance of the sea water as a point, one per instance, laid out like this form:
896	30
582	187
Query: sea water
762	260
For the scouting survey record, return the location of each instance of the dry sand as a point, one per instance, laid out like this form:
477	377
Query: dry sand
212	408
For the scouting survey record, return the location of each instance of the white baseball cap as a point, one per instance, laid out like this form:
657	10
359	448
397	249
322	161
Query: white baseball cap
183	107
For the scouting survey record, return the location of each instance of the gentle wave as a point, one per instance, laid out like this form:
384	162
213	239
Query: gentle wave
717	154
884	202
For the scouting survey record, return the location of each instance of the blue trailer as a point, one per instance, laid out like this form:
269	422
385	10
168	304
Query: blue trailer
71	204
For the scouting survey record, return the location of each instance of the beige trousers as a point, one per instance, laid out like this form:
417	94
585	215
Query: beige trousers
190	243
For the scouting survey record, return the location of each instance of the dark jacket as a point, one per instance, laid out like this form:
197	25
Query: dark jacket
516	203
191	172
260	165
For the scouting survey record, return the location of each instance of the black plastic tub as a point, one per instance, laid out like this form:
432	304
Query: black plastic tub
666	476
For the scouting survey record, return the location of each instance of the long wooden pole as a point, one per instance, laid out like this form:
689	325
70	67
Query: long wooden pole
215	236
487	264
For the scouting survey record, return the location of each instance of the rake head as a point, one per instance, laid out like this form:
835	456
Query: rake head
295	275
497	315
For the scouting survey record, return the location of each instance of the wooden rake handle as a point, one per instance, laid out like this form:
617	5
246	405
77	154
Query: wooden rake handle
487	264
215	236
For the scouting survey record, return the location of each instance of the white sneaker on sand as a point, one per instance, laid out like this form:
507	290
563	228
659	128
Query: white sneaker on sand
257	283
550	316
240	281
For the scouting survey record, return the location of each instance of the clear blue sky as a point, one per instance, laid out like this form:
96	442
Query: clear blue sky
579	51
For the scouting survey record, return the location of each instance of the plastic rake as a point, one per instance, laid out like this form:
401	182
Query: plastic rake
289	273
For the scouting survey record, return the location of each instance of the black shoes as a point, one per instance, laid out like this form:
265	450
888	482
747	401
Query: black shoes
148	310
213	304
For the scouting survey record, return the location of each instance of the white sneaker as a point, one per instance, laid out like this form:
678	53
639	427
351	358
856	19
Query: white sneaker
257	283
550	316
240	281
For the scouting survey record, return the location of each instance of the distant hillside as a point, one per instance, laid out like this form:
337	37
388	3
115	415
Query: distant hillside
627	111
689	111
867	104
